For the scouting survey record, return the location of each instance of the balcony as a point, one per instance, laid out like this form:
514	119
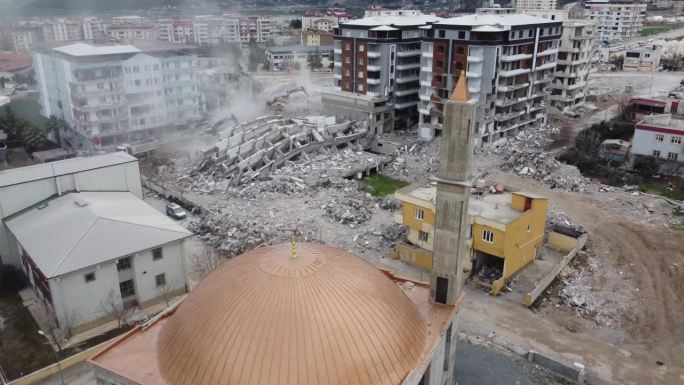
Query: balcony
513	87
423	111
471	74
515	72
425	69
475	59
400	106
407	79
508	116
373	68
406	92
427	54
549	51
563	74
544	80
510	101
337	51
338	76
373	81
338	64
408	66
414	52
425	83
546	66
474	90
520	56
373	94
424	98
374	54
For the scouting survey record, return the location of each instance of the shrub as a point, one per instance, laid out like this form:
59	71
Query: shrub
646	166
11	279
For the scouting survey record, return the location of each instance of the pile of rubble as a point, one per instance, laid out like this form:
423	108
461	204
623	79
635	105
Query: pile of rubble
556	216
527	154
347	211
253	150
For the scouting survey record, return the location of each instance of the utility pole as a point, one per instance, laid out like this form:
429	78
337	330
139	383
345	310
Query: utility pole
59	365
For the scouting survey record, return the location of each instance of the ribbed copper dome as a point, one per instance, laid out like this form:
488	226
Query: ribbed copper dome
327	317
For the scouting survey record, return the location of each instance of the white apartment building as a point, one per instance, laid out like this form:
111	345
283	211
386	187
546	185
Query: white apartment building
523	6
62	29
324	22
176	31
110	94
509	61
93	29
133	19
24	37
615	20
660	136
131	32
575	53
81	232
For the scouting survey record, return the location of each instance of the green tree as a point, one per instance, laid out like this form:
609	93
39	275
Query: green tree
8	122
257	55
54	125
32	136
646	166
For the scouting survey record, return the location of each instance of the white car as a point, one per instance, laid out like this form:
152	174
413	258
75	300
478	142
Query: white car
175	211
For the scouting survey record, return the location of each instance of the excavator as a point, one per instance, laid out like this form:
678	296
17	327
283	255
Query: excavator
280	100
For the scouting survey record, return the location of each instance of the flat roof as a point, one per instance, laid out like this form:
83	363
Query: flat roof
300	48
495	207
666	121
397	21
85	49
62	167
79	230
508	19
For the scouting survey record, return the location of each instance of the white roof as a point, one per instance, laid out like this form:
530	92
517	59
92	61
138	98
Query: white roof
384	28
488	28
62	167
396	21
84	49
79	230
509	19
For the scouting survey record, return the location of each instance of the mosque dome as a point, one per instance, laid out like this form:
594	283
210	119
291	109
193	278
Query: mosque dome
264	317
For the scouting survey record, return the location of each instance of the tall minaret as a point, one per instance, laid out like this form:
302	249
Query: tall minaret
453	191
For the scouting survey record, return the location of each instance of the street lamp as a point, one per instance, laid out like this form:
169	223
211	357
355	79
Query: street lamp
59	366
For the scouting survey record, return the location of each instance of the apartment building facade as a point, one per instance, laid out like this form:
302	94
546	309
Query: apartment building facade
131	32
509	60
325	21
615	20
110	94
661	136
645	58
25	36
63	29
523	6
380	57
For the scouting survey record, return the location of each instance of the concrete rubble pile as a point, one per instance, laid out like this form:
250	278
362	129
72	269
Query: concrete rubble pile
413	160
255	149
556	216
347	211
526	154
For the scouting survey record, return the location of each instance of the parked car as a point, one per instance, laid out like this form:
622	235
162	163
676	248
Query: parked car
175	211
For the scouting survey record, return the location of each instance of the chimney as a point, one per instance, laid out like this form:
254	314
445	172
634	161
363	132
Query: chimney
453	192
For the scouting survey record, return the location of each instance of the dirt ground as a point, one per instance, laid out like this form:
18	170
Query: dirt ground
22	349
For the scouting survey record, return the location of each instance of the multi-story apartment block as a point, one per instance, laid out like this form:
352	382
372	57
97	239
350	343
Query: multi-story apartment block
380	57
642	59
509	60
325	22
137	20
93	29
131	32
243	29
523	6
615	20
316	38
25	36
575	55
62	29
177	31
109	94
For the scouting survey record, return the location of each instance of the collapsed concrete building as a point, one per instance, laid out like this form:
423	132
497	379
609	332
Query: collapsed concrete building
254	149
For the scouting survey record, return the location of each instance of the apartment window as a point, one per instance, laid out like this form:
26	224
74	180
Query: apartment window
418	214
103	99
656	153
676	140
362	47
530	33
459	50
347	60
488	236
136	69
100	86
360	61
360	75
142	121
160	280
659	138
541	31
347	72
423	236
90	277
461	35
347	46
672	156
155	67
360	87
520	34
123	264
138	82
439	64
442	33
157	254
127	288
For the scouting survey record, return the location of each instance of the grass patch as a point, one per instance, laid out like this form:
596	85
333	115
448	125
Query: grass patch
672	187
380	185
28	109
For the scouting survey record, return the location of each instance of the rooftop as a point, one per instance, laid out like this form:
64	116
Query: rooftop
94	227
86	49
495	207
393	21
62	167
300	49
14	61
665	121
505	20
343	321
